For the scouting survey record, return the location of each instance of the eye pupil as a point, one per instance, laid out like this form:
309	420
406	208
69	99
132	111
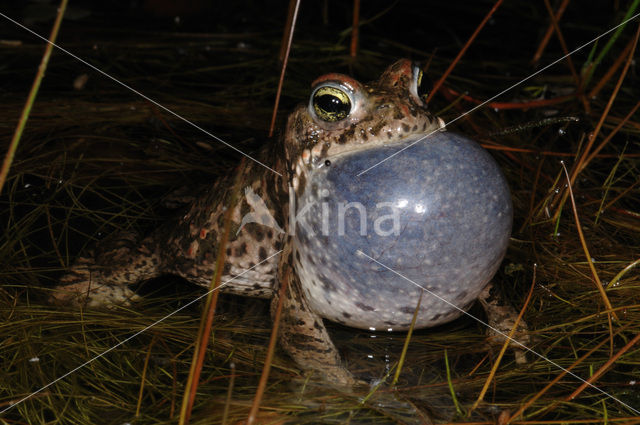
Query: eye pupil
331	104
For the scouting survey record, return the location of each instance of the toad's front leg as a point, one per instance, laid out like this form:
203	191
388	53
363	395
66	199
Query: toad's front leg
502	317
302	334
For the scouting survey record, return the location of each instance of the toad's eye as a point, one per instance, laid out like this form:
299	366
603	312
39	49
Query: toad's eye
331	104
422	84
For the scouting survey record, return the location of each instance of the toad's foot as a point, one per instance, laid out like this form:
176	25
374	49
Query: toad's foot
501	318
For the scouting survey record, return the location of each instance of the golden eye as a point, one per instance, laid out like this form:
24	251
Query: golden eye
422	85
331	104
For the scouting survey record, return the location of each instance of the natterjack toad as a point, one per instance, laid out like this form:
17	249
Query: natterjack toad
357	244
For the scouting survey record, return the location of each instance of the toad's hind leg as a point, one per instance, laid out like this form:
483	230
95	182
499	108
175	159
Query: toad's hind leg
103	276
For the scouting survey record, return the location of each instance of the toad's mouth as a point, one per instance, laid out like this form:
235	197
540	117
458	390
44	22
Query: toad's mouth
373	145
439	215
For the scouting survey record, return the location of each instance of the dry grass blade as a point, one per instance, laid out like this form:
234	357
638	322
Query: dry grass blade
594	273
453	64
507	341
144	376
287	51
264	377
633	7
616	279
403	354
557	379
227	404
13	146
595	91
565	50
615	131
210	307
288	26
355	29
547	36
582	163
452	390
604	368
530	104
584	160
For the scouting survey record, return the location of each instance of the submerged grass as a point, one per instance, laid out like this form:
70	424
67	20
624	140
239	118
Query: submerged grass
99	159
